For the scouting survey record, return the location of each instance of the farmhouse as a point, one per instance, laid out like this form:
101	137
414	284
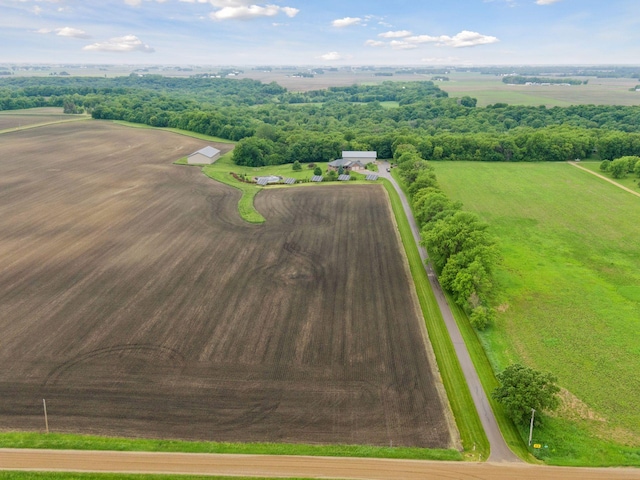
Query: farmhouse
206	155
362	157
347	165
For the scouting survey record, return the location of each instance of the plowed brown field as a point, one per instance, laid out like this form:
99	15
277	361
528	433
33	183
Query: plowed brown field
21	118
138	303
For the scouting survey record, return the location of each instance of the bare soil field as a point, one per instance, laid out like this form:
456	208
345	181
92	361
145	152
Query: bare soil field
138	303
32	116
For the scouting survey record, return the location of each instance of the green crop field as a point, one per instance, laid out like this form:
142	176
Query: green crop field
489	89
570	297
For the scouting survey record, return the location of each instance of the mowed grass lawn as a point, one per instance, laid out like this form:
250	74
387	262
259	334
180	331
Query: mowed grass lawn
570	295
630	181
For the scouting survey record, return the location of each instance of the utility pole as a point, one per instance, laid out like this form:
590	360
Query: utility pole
46	420
533	412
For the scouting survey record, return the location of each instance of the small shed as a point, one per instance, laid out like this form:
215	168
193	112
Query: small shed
206	156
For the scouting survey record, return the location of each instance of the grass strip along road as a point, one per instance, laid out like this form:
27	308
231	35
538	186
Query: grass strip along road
500	452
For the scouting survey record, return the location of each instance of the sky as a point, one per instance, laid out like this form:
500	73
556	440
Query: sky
321	32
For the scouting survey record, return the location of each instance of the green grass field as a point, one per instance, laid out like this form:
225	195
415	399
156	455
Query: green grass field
489	89
570	288
630	181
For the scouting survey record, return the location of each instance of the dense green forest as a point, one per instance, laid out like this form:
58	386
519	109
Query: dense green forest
275	126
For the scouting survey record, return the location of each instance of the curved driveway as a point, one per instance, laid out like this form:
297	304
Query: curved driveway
500	452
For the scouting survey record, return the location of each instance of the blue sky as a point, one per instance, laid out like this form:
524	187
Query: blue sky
320	32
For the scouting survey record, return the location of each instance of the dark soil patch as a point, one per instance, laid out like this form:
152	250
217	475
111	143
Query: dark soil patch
138	303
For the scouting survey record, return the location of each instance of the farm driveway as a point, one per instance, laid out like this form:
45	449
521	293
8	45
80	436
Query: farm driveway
288	466
604	178
500	452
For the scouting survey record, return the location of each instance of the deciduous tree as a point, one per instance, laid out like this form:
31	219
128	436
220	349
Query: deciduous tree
522	389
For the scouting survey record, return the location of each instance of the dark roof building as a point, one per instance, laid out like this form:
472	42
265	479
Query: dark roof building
346	164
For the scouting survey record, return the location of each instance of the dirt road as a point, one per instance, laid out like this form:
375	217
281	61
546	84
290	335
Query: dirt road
287	466
500	452
604	178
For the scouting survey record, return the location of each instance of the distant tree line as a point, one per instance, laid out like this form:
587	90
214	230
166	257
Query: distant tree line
620	167
617	71
520	80
279	126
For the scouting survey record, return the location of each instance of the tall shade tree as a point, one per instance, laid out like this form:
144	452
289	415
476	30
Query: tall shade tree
523	389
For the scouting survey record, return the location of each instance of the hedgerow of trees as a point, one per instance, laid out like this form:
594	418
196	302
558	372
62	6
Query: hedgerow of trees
459	245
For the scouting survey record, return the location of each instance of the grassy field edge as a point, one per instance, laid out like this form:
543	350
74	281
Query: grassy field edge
472	435
64	441
567	437
489	382
485	372
36	475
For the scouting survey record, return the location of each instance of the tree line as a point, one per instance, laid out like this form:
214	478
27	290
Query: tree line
520	80
460	247
276	129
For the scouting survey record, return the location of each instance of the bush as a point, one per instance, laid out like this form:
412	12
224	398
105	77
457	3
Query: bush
331	176
605	165
481	317
619	168
317	171
296	166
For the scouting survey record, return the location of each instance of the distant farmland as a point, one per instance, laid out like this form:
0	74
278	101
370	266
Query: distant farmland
20	118
570	284
138	303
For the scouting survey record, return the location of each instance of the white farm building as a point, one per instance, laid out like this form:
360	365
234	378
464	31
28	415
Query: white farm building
362	157
206	156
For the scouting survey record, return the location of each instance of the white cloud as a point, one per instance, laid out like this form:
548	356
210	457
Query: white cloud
546	2
402	45
72	32
462	39
331	56
346	22
135	3
128	43
374	43
65	32
441	60
290	11
396	34
245	12
466	39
